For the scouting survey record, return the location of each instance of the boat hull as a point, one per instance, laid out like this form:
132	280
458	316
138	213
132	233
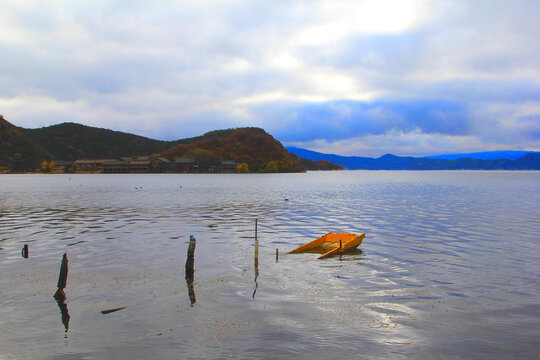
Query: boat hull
331	244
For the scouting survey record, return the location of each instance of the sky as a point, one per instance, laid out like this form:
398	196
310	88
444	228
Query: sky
364	77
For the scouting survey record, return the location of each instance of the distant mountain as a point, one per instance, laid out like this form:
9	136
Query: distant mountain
529	161
348	162
319	165
25	149
485	155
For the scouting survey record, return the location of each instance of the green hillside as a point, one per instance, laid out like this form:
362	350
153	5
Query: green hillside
17	151
70	141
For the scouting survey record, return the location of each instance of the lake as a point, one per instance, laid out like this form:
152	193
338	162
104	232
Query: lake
449	267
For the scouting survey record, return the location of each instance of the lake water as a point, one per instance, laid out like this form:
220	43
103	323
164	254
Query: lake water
449	267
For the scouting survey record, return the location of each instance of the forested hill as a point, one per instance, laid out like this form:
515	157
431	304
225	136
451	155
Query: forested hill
17	151
530	161
70	141
253	146
25	149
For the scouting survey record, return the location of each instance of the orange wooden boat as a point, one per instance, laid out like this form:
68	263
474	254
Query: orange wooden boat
330	244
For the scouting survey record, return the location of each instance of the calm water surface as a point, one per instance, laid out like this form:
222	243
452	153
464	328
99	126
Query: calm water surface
449	268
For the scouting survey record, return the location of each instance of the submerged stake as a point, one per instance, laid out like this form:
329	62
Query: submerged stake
112	310
24	251
60	295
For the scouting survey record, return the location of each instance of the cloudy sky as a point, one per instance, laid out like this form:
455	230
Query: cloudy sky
348	77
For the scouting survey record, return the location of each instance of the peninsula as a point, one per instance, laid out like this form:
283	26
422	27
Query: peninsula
71	147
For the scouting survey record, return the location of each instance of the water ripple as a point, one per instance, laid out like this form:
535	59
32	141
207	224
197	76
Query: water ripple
440	248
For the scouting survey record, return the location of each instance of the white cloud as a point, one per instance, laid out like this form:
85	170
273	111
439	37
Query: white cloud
174	69
237	65
339	19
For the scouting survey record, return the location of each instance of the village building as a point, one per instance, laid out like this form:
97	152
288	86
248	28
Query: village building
90	166
61	167
142	165
164	165
186	165
229	166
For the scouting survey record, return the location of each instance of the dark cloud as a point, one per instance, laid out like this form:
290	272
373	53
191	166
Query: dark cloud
345	119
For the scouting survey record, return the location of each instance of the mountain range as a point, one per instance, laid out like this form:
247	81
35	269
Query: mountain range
528	161
484	155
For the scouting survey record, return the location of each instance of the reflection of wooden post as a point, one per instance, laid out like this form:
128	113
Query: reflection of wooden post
65	314
191	291
256	256
190	257
24	252
62	279
256	244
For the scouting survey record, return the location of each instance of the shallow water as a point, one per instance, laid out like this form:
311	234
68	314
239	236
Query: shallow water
450	266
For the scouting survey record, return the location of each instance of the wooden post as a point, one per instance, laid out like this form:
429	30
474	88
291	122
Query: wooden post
340	245
190	257
62	279
277	255
24	251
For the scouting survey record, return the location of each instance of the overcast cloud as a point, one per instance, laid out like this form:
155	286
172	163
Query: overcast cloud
350	77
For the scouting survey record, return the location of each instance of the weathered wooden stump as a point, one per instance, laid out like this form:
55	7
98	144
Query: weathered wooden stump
62	278
24	251
60	295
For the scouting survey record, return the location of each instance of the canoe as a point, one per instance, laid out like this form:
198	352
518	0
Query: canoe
330	244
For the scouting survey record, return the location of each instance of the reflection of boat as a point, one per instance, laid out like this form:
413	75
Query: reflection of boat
331	243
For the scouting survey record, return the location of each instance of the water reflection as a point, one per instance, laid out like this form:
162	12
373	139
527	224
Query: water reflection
256	261
429	242
351	255
256	265
65	314
191	290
